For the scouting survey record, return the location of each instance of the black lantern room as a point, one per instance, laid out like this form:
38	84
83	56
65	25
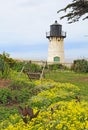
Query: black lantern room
56	31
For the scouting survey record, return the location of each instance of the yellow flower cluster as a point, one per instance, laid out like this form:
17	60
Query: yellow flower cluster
58	116
53	91
54	114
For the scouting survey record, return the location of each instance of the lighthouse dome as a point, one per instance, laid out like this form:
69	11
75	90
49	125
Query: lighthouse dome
55	29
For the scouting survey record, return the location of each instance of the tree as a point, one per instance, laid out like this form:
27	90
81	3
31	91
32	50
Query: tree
78	8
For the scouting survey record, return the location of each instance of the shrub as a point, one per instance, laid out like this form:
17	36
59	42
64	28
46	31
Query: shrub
33	67
21	90
26	66
4	68
80	66
5	112
5	95
57	66
18	65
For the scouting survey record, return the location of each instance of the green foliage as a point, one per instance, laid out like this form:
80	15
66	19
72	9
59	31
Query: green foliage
33	67
21	90
57	66
5	112
4	66
26	66
20	84
18	91
77	9
53	92
1	65
10	61
80	66
5	95
18	65
79	79
6	70
58	116
41	93
7	59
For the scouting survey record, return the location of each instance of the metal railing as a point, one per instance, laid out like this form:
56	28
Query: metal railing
63	34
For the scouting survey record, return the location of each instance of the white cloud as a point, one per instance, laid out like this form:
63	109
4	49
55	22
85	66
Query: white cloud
25	22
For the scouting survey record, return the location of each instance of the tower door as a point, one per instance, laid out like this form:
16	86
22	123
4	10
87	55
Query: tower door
57	59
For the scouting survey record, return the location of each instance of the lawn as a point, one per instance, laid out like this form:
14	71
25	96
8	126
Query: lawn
79	79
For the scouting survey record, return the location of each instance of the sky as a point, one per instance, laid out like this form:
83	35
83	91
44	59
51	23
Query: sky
23	27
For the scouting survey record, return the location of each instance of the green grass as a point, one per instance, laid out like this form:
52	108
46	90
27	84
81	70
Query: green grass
79	79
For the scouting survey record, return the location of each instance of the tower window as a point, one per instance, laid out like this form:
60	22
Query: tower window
57	58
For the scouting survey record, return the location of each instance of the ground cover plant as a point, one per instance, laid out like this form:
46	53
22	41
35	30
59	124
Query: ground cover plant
79	79
60	99
60	109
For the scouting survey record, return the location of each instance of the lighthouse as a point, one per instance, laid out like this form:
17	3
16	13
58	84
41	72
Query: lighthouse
56	43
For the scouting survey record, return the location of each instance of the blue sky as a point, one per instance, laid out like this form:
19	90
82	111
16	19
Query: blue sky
23	27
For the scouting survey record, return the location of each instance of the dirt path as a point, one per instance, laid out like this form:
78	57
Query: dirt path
4	83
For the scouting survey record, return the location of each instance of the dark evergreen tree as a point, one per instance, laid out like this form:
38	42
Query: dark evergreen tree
78	8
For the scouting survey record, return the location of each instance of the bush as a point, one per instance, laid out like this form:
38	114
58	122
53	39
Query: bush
5	95
18	66
57	66
4	68
80	66
18	92
26	66
5	112
32	67
21	90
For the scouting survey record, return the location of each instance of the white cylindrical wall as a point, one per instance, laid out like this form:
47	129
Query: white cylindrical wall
56	49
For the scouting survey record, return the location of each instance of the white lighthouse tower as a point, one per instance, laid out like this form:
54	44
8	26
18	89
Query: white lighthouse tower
56	43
